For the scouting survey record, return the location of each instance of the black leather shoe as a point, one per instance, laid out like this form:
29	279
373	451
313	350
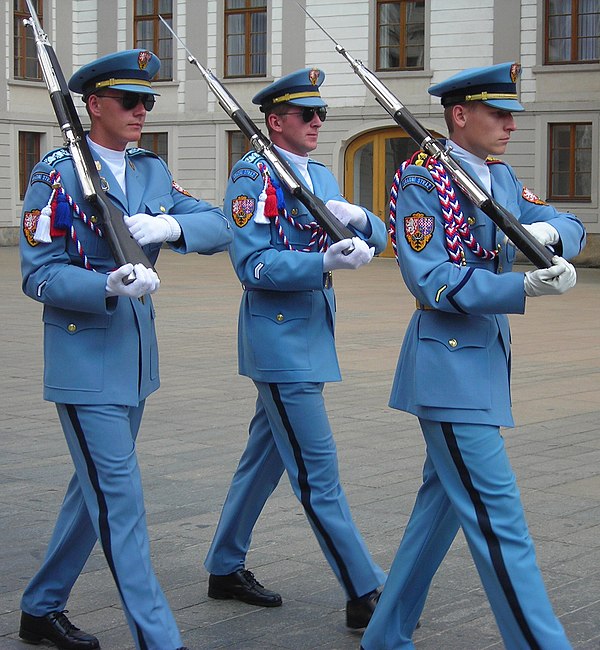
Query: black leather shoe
55	627
360	610
242	585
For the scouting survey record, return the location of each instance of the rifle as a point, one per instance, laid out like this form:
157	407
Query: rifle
123	246
539	255
262	145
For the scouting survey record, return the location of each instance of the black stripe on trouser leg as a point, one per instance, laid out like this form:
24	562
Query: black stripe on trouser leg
305	492
492	541
102	506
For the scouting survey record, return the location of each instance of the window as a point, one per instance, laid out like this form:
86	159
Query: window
570	160
150	34
237	145
572	31
29	156
156	142
26	64
400	34
245	38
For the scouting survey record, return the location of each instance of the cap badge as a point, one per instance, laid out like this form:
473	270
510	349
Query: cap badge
313	76
143	59
515	71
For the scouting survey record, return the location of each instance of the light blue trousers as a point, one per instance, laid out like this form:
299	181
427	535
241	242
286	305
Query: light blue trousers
104	501
290	430
467	482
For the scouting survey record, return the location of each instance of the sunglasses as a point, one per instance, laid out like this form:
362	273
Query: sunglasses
130	100
309	112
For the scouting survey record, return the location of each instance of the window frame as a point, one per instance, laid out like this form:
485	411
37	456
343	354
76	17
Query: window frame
25	37
247	11
574	37
154	137
159	34
572	196
230	153
32	156
402	45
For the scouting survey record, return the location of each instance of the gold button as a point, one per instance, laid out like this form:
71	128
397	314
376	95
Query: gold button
471	221
71	327
94	219
294	211
452	343
500	268
279	317
162	208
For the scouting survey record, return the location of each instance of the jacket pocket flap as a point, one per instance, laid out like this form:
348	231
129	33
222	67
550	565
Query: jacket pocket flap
452	332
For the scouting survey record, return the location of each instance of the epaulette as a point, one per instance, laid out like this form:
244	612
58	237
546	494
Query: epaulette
252	157
421	159
54	156
490	160
138	151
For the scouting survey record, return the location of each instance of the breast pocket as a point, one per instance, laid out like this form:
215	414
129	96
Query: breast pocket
160	204
453	361
279	329
74	345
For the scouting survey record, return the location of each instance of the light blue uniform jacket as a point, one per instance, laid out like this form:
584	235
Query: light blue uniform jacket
98	350
287	314
454	364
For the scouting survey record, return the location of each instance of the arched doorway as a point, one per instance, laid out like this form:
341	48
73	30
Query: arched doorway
369	166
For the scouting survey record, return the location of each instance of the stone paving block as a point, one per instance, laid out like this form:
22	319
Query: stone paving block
194	431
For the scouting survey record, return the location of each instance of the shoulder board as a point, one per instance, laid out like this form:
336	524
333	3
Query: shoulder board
421	159
490	160
252	157
54	156
137	151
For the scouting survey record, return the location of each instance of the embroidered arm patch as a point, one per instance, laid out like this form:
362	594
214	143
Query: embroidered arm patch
420	181
244	172
41	177
418	230
181	190
528	195
30	222
242	210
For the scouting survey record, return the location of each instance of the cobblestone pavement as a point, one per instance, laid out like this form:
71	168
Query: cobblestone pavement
195	428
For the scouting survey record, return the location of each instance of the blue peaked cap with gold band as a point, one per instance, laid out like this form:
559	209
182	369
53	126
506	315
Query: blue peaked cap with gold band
299	88
495	86
130	70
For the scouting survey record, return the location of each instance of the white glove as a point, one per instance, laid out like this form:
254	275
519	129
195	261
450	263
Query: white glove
150	229
553	281
146	281
347	213
334	257
545	233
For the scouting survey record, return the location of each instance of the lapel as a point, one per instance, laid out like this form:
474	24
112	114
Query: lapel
499	192
134	182
315	180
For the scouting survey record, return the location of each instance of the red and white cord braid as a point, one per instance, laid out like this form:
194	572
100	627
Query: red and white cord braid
455	225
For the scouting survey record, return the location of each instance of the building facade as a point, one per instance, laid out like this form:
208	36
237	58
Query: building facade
409	44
